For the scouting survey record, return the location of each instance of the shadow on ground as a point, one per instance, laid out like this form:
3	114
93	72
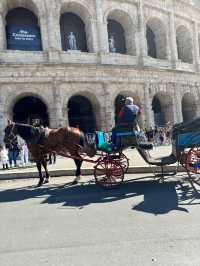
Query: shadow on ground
157	198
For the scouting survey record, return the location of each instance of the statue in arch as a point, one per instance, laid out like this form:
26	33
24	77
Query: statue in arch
111	42
72	41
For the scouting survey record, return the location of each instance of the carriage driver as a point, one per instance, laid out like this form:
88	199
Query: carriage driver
128	114
126	118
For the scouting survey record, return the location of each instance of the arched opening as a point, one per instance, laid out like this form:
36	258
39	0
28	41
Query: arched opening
22	30
81	114
73	35
159	116
189	107
116	37
163	109
184	45
28	109
156	39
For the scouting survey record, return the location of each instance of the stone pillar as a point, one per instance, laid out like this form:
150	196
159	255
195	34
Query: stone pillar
109	112
141	41
56	111
149	115
196	47
177	102
3	33
53	30
102	29
173	46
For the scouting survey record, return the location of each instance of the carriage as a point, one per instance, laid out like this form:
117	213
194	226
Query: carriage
112	164
106	150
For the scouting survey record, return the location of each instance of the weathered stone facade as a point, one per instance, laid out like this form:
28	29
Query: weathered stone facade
54	75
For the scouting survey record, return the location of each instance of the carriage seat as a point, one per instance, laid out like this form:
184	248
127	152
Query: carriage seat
102	144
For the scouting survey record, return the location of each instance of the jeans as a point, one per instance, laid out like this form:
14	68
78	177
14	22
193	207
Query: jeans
12	156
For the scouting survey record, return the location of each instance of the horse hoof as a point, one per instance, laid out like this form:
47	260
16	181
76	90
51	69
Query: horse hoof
75	182
40	183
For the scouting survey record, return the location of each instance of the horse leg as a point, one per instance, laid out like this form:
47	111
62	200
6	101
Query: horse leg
78	164
39	167
44	164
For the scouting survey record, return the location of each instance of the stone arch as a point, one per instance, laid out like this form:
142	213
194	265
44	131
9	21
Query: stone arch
162	106
31	5
24	24
189	107
184	44
83	12
156	38
94	107
29	106
122	25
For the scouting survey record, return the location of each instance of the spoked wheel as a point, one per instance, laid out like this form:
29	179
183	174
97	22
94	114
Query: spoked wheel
119	158
192	164
108	173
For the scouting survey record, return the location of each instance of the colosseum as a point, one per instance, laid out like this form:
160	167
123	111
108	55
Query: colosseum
73	61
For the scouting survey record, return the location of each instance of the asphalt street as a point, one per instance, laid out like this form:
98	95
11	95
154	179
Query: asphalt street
141	223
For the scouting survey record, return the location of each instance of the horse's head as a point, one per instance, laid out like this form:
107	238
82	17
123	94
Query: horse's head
9	132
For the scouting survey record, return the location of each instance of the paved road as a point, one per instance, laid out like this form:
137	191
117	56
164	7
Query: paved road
142	223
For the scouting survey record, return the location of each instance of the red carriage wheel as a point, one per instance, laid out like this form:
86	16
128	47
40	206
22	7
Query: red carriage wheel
124	161
119	158
192	164
108	173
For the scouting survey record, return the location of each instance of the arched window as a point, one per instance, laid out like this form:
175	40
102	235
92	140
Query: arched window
73	35
116	37
156	39
30	108
22	30
184	45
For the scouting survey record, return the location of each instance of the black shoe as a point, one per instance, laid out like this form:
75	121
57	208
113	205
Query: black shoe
40	183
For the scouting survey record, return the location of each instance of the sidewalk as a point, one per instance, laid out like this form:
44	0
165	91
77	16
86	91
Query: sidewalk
66	167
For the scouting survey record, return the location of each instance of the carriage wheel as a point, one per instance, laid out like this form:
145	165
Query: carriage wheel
192	164
121	159
108	173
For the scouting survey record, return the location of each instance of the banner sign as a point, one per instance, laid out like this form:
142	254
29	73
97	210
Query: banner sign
23	38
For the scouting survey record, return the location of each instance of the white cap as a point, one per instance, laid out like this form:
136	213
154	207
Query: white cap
129	100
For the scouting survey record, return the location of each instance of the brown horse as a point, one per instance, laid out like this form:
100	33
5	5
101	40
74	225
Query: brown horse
42	141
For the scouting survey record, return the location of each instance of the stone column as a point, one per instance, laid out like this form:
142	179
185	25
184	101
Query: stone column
109	112
196	46
177	102
173	46
141	41
3	33
56	111
102	29
53	28
149	115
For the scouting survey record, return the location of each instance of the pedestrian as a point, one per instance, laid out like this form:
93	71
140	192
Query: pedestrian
13	151
4	156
